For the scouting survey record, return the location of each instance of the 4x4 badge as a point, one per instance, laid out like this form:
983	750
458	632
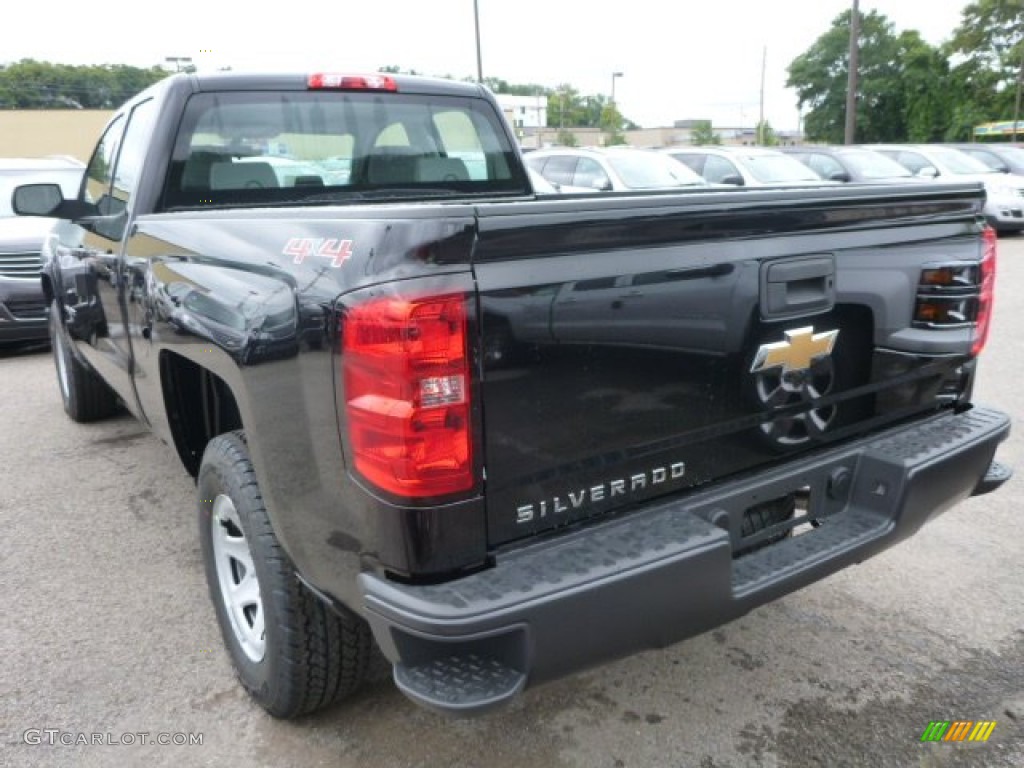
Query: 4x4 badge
796	353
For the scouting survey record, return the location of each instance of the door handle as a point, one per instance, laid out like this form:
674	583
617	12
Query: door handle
798	286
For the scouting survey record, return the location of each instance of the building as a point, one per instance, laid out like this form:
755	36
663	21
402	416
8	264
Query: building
524	111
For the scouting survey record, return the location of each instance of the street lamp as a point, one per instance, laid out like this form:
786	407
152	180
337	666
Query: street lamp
614	76
177	61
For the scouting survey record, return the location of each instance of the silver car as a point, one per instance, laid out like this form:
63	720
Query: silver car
22	306
747	166
611	169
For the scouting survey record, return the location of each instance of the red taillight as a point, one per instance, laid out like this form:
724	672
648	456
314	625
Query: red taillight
332	81
986	292
407	394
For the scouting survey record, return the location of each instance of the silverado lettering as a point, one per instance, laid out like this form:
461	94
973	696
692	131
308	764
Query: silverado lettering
511	418
525	513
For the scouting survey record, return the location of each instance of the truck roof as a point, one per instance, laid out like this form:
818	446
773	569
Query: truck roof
299	81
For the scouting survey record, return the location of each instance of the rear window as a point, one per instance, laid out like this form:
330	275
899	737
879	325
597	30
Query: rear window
283	148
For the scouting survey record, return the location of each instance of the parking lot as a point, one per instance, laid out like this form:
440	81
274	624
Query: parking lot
108	634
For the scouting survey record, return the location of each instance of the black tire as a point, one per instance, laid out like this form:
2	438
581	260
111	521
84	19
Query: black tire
86	396
310	656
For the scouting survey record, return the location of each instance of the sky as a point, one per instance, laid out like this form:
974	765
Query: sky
679	59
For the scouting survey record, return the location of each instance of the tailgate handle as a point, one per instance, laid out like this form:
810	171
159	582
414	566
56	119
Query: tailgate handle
798	286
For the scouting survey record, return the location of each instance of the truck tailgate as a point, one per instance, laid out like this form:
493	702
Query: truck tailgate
637	347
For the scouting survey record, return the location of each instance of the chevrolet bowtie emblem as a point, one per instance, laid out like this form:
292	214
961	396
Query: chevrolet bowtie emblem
795	353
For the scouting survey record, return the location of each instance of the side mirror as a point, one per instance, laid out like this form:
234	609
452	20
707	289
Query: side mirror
733	178
37	199
48	200
603	184
927	172
842	176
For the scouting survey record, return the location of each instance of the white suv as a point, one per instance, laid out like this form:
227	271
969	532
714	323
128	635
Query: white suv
1004	206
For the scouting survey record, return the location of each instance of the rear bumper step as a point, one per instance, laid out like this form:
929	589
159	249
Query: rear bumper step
666	572
997	474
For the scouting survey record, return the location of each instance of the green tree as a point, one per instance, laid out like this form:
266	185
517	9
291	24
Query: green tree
568	108
566	138
30	84
498	85
927	88
611	124
766	136
903	83
988	48
702	134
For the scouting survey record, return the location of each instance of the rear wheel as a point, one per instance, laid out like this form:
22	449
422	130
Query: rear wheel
85	395
290	651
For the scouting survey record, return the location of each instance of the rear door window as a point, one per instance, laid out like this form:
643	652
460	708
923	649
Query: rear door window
695	162
560	169
912	161
717	168
590	174
824	166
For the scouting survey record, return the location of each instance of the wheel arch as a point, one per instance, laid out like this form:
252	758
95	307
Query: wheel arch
186	385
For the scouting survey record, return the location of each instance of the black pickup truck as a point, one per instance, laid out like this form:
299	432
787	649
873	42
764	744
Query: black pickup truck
503	436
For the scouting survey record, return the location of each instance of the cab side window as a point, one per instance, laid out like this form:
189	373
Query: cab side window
113	171
99	174
133	152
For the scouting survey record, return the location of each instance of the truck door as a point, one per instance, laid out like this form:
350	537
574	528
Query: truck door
93	282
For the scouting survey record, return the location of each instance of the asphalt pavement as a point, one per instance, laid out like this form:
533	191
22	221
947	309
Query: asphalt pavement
108	637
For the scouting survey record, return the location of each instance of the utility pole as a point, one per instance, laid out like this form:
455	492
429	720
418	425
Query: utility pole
760	119
479	58
615	75
851	82
1016	105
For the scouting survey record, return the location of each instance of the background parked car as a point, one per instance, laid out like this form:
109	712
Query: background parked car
610	169
1004	206
1004	158
848	164
22	306
746	166
542	186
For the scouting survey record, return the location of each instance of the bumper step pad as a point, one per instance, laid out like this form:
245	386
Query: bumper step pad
469	682
997	474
